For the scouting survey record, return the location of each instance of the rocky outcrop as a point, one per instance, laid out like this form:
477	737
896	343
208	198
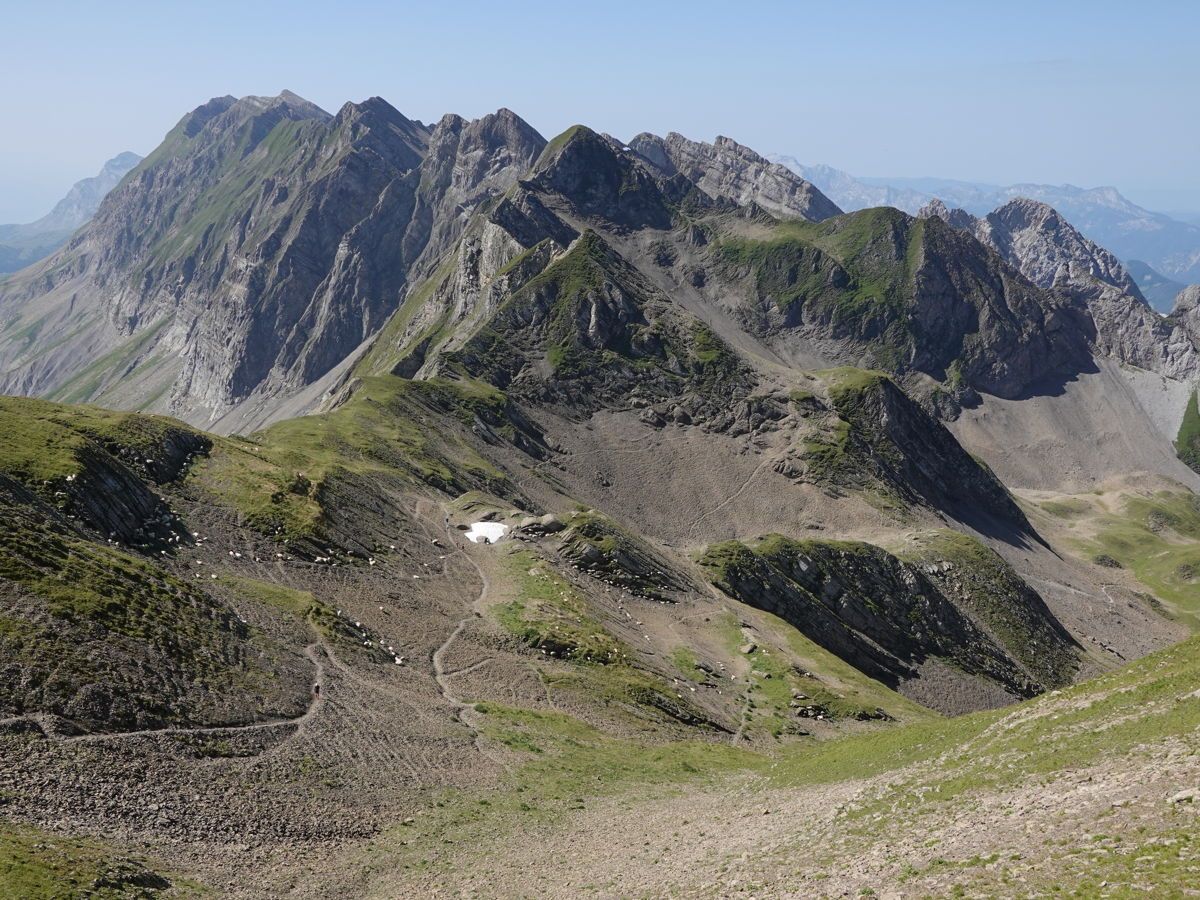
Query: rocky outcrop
1041	245
886	617
887	439
599	179
1051	253
1186	312
604	550
106	641
590	330
726	170
902	294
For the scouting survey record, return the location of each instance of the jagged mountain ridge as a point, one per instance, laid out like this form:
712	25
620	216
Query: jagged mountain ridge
619	362
267	223
245	247
1045	248
257	294
1103	213
884	289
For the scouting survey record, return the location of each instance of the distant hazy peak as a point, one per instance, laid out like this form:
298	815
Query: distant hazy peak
82	200
122	162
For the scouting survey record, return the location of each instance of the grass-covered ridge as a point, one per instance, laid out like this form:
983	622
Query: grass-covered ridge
111	641
589	325
855	273
548	615
599	546
995	596
949	599
280	477
41	441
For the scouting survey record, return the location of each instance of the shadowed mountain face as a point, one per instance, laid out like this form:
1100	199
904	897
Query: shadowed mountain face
1047	250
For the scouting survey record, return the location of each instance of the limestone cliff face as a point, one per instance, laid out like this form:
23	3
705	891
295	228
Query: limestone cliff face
1051	253
727	170
1041	244
1186	312
262	243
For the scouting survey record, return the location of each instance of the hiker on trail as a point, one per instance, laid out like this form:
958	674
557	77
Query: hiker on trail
316	690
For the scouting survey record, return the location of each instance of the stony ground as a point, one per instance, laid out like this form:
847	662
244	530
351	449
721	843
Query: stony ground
480	767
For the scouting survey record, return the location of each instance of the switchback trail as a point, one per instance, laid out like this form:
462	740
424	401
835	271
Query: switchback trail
314	653
462	709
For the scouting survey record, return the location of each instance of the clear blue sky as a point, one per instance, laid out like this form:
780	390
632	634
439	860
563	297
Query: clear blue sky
1087	92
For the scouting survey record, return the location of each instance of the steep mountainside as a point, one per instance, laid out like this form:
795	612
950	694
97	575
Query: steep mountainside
23	245
875	287
1051	253
1041	244
625	464
276	245
264	223
726	169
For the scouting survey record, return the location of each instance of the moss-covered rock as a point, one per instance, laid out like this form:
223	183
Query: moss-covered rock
888	617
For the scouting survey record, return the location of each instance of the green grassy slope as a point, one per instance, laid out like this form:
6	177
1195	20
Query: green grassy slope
280	478
35	864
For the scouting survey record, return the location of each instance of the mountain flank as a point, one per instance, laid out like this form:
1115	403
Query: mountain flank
378	494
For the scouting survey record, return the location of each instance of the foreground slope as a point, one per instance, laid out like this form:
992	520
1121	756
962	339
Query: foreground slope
333	545
1090	791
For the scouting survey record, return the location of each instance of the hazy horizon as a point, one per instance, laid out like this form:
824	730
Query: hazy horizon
1023	94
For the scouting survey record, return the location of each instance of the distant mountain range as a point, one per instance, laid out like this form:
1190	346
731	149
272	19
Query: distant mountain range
1159	290
22	245
1169	246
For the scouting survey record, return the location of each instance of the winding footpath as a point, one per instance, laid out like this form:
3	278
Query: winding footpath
314	653
443	677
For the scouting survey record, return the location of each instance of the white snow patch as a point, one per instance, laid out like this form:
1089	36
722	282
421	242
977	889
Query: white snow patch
486	532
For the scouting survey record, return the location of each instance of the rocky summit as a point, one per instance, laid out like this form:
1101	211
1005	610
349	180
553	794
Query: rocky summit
392	508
